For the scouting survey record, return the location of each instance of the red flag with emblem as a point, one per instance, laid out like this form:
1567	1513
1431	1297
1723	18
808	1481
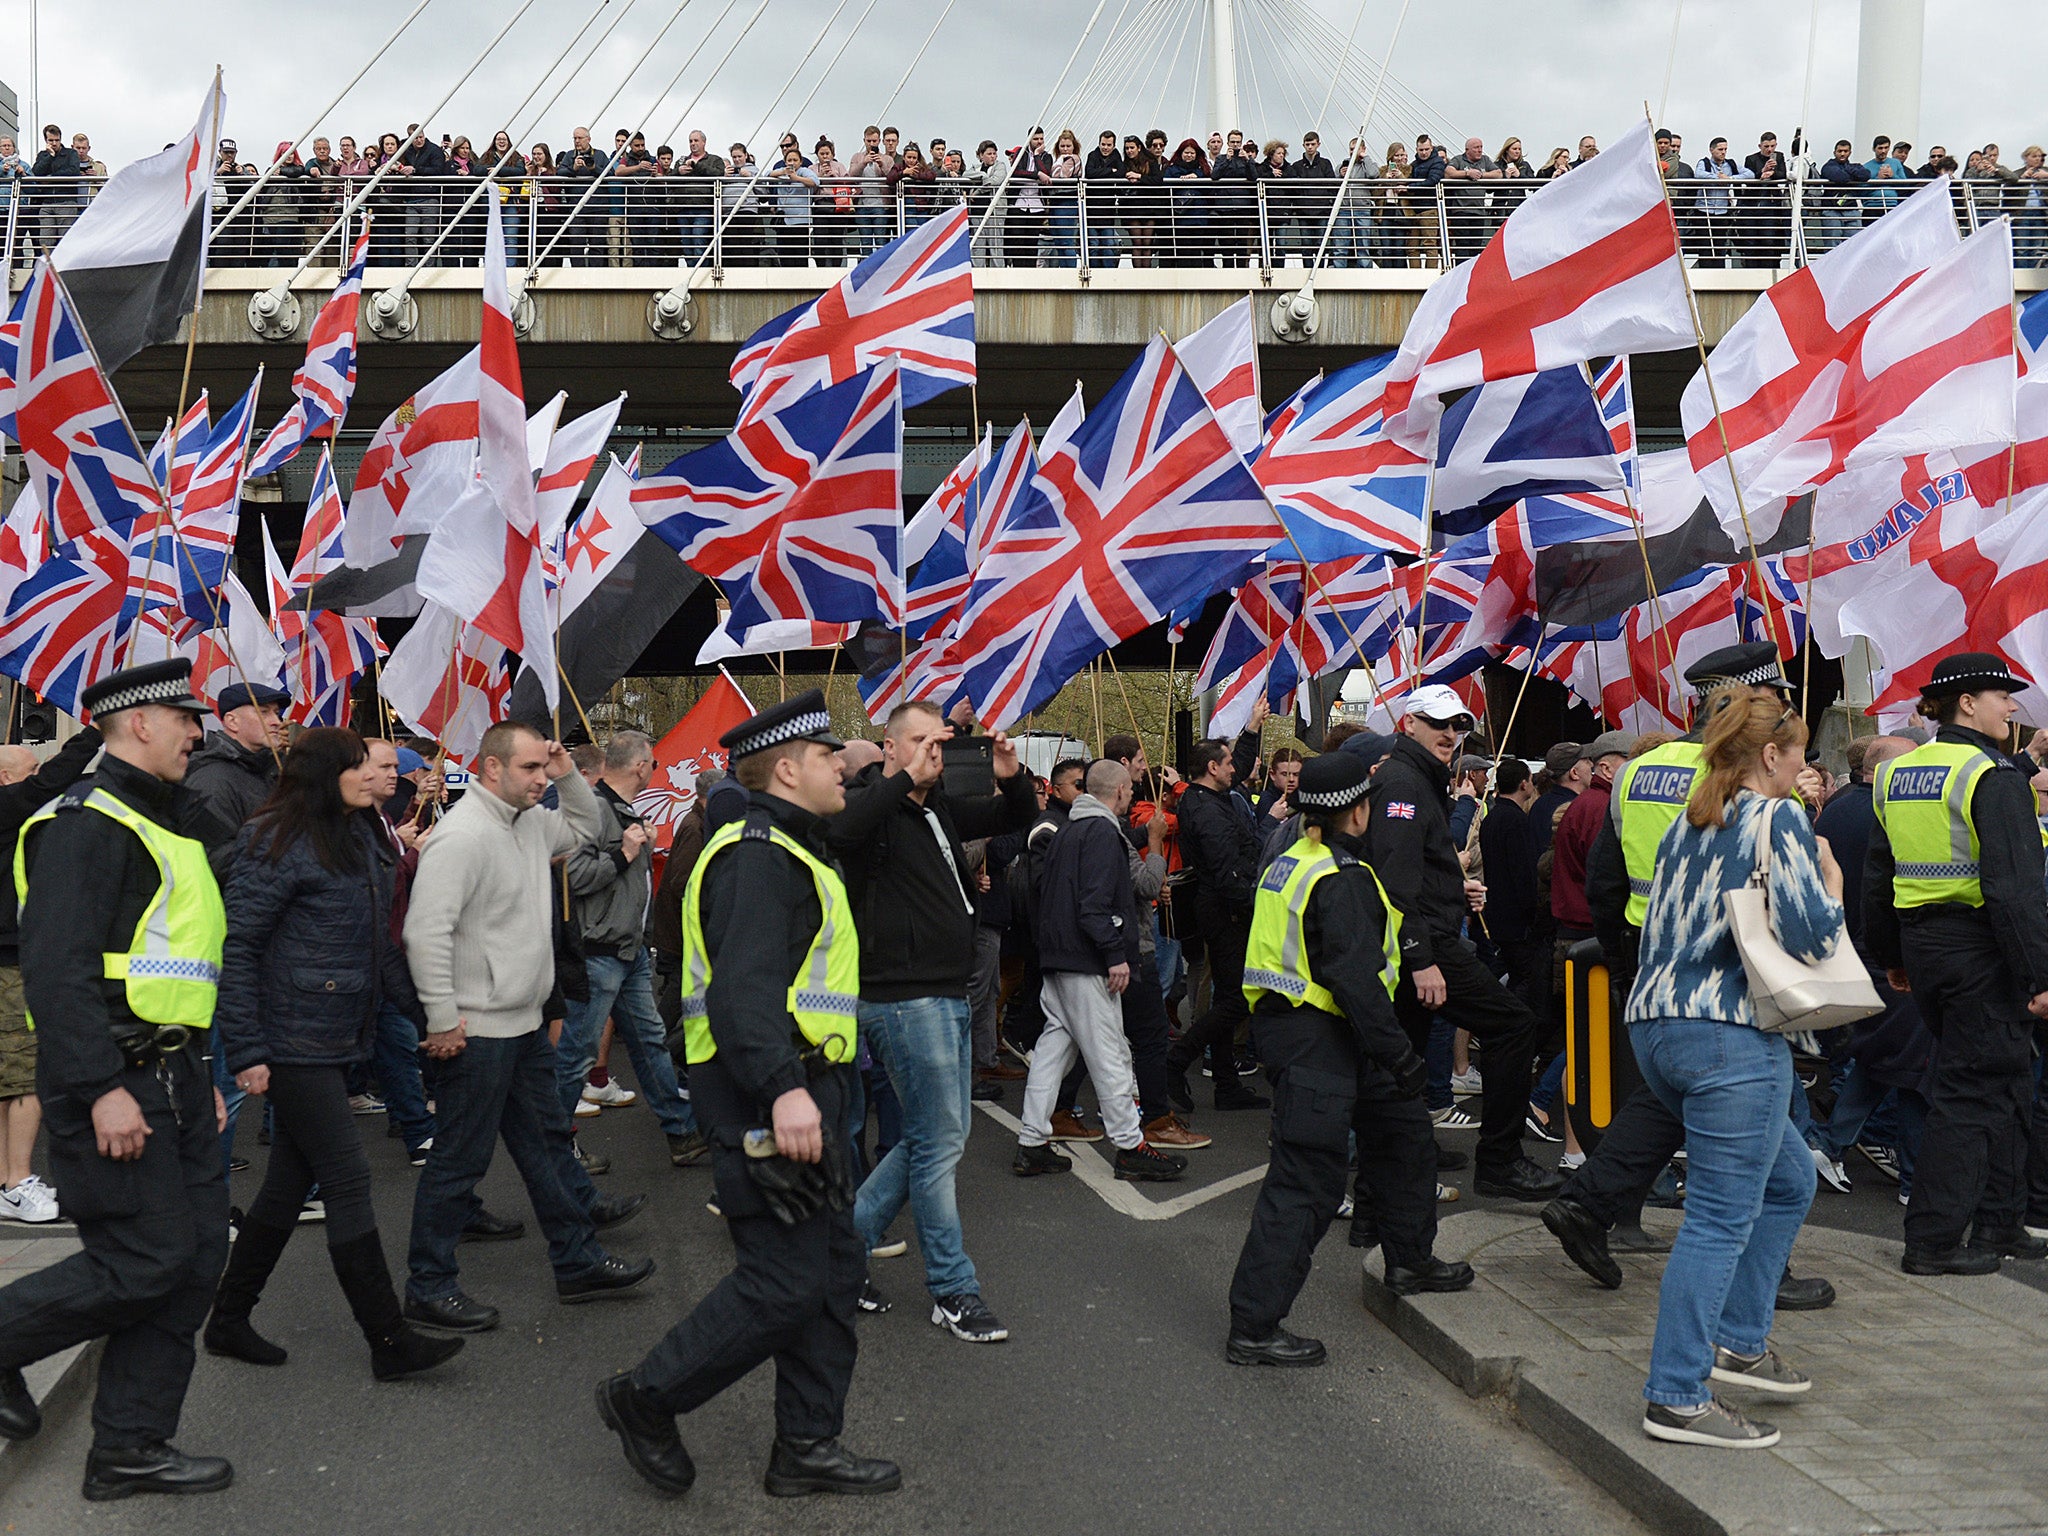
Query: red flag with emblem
686	751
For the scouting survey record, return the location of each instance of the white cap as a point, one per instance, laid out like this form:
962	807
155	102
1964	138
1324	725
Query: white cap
1437	701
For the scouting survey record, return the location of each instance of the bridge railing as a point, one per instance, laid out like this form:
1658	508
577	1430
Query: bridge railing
1077	224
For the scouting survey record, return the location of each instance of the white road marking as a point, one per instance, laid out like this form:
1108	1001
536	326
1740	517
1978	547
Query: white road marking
1094	1170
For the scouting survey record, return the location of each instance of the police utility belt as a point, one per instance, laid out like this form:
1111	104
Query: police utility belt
170	973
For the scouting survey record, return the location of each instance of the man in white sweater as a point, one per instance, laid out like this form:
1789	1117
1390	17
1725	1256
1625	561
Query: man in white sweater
479	937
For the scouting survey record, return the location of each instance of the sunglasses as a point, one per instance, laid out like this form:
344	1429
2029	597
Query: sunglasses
1459	723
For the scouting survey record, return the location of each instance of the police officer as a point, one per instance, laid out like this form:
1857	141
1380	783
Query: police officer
1650	794
771	977
121	934
1321	971
1952	903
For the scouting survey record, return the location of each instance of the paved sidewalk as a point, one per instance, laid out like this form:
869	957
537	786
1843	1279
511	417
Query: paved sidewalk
54	1381
1929	1411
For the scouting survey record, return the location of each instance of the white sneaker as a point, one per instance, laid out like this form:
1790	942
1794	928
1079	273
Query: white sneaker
1345	1208
1446	1194
31	1200
365	1104
1831	1170
889	1250
588	1107
1452	1118
1571	1161
313	1210
1467	1084
610	1096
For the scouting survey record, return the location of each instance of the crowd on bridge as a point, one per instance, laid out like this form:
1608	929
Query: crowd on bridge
1060	199
848	943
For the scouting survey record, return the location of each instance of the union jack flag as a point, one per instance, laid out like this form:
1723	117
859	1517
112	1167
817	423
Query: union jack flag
81	451
1146	506
187	560
1780	616
326	381
1339	483
321	666
718	507
937	595
833	552
63	626
912	300
1541	434
1618	409
1282	631
174	469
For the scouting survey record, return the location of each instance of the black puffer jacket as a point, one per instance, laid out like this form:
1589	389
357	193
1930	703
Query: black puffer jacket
1412	851
309	957
231	780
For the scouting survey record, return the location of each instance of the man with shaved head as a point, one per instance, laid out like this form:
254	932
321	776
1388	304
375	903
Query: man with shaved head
1892	1050
1088	951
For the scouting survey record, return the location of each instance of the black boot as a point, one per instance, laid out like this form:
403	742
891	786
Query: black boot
397	1349
20	1418
653	1448
825	1466
254	1256
115	1473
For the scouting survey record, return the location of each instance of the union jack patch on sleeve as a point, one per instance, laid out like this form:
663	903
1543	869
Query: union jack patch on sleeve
1404	809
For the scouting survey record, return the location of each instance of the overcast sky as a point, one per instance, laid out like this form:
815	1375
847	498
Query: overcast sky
131	72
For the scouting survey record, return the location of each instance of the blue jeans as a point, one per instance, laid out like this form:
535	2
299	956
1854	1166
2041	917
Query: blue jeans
926	1045
1749	1181
1544	1095
875	229
493	1088
395	1054
623	990
1443	1040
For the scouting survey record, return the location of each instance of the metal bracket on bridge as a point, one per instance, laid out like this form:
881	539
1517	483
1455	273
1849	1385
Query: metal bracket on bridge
1294	314
274	314
671	314
393	315
523	312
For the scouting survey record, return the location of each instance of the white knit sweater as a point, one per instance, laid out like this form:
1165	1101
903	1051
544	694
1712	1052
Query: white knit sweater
479	933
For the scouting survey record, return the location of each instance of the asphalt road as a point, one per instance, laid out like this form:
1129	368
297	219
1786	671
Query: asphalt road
1110	1409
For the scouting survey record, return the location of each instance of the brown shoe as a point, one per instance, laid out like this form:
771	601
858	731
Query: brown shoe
1067	1127
1171	1132
1004	1072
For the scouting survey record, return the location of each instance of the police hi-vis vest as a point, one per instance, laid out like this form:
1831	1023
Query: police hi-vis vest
824	997
1649	795
1923	803
171	968
1275	959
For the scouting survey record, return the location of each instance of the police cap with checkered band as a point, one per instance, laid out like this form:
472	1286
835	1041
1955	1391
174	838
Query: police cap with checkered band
803	718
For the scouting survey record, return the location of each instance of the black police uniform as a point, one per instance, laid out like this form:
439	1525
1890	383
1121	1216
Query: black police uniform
1411	845
154	1230
795	1291
1974	970
1329	1075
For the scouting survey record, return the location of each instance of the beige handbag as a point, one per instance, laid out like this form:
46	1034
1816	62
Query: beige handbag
1789	994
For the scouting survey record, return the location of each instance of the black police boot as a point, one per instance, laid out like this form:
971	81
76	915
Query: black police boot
1276	1348
455	1314
254	1256
397	1349
2009	1242
1953	1260
1518	1180
483	1227
652	1446
114	1473
1427	1274
20	1418
798	1467
1813	1294
1584	1240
